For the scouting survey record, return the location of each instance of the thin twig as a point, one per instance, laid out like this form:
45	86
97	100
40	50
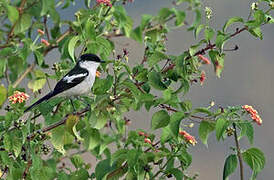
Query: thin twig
20	79
46	27
239	154
208	47
25	173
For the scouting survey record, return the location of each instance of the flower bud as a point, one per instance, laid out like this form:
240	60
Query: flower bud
45	42
40	32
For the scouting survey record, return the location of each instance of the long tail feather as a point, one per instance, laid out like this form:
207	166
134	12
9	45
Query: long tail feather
46	97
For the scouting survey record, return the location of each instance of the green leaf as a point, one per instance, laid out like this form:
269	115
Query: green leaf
13	141
154	79
176	172
90	32
103	168
220	40
166	134
256	32
204	130
137	34
156	57
39	82
259	17
46	6
91	137
125	22
246	130
71	46
231	164
231	21
175	120
159	119
255	159
185	159
101	86
70	125
197	20
3	64
221	126
164	13
180	17
132	157
146	18
167	94
202	110
198	30
23	24
77	161
209	33
3	94
13	14
60	137
39	57
217	61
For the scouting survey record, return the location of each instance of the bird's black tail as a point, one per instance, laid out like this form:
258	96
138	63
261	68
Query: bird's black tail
46	97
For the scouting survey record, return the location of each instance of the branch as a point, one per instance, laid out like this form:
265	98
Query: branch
46	27
21	11
57	124
18	81
25	173
208	47
239	154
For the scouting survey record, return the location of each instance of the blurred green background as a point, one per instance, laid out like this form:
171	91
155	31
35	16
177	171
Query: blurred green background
247	79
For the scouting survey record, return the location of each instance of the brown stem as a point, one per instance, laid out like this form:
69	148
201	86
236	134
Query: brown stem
46	27
57	124
28	70
25	173
208	47
20	9
239	154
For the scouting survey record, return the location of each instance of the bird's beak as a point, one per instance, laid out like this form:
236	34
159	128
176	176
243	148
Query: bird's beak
102	61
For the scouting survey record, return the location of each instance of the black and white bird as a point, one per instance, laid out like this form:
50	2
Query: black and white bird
78	81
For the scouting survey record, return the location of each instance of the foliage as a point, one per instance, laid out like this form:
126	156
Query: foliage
31	149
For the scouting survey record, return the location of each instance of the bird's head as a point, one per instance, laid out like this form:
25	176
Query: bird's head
90	57
89	61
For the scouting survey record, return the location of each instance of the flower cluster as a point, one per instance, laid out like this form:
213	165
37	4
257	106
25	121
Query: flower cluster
105	2
190	139
18	97
253	113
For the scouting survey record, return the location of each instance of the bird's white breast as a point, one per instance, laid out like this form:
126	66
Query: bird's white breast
85	86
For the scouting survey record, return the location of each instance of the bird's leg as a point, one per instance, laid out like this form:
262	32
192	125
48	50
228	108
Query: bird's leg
74	110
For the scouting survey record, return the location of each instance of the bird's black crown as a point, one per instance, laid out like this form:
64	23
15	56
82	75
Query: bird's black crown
90	57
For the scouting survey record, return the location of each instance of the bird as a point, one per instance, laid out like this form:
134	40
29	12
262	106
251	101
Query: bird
78	81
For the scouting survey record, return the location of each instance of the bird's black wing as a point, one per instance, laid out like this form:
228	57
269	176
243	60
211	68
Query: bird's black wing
71	79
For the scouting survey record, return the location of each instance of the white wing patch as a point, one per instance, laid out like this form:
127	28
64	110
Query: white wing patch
69	79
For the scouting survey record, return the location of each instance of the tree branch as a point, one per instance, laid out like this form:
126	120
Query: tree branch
208	47
239	154
57	124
